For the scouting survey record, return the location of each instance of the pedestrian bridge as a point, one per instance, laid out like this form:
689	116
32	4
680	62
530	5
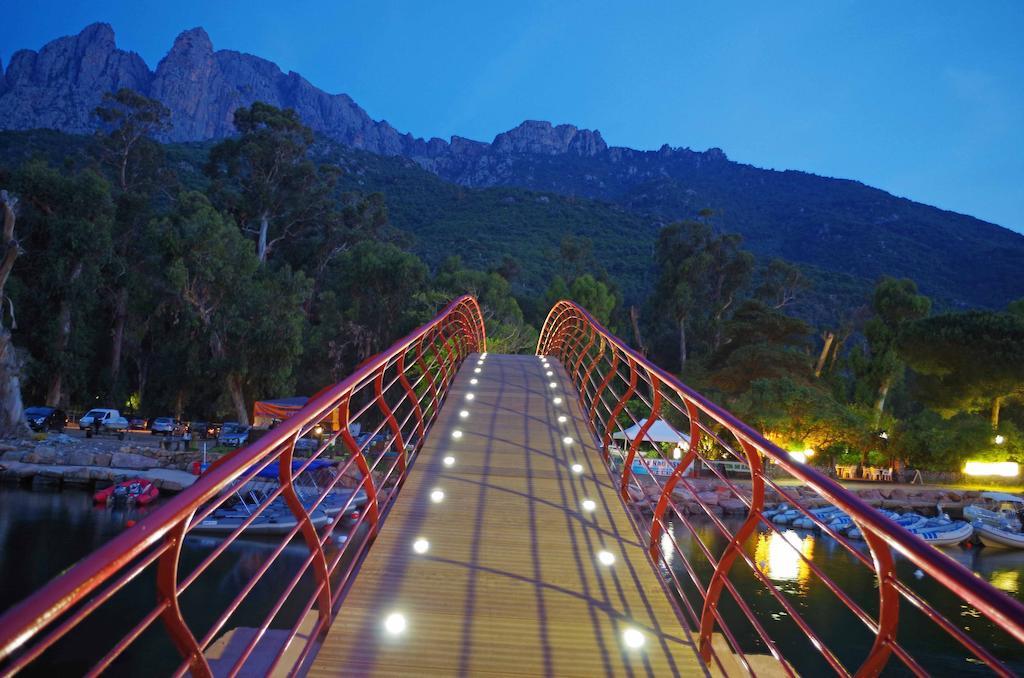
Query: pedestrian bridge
511	528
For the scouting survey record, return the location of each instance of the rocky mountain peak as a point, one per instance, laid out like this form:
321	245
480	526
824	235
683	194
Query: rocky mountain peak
541	137
195	41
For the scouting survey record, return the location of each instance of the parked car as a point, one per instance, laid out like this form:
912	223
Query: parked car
46	419
103	420
138	423
233	434
203	430
165	426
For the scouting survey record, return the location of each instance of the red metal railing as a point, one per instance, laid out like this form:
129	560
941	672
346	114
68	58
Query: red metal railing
394	397
698	554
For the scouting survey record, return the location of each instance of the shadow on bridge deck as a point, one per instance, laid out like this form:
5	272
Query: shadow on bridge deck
512	582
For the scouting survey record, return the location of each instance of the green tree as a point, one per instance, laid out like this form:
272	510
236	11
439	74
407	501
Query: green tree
760	343
894	303
265	180
967	361
67	223
136	161
595	296
249	318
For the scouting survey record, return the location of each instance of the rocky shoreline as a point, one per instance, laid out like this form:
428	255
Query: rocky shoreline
62	460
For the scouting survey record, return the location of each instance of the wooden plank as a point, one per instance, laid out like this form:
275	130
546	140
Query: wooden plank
511	584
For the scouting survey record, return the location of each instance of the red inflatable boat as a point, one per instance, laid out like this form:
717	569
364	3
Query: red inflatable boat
137	490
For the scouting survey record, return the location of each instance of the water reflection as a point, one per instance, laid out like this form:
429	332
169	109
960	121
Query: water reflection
778	556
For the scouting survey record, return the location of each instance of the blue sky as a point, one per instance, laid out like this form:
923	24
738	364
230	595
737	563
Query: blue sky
924	99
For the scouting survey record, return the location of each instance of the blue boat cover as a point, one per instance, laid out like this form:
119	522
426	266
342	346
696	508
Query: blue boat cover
273	470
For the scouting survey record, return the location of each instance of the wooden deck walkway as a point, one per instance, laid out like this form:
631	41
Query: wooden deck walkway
512	583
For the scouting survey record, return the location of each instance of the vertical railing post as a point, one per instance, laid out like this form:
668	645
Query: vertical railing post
167	593
666	492
307	529
372	509
732	549
623	399
627	467
389	415
888	605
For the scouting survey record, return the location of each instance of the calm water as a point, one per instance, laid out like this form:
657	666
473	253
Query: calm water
936	651
42	533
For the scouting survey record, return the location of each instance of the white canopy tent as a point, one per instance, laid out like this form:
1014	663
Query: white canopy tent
660	432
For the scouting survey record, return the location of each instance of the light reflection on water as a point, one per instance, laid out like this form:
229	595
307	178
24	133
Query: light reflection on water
778	556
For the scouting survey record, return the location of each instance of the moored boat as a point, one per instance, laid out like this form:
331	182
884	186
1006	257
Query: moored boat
942	532
137	491
999	537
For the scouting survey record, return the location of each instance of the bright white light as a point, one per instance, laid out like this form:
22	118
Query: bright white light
474	381
568	440
394	623
677	453
476	370
420	545
589	505
798	456
633	638
550	373
577	468
479	362
562	419
1000	439
449	461
456	434
1006	469
606	557
469	396
553	385
483	355
437	496
464	413
557	401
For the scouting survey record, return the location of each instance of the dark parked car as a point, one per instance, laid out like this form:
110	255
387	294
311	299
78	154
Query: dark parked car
46	419
137	423
233	434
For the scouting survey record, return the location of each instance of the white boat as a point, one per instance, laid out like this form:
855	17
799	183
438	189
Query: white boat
911	521
272	520
823	514
996	509
942	532
999	537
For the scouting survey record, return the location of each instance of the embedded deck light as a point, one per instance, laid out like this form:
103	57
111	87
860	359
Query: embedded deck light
437	496
557	401
577	468
550	373
449	461
567	440
562	419
606	558
633	638
553	385
476	370
464	413
474	381
469	396
421	545
589	505
456	434
394	623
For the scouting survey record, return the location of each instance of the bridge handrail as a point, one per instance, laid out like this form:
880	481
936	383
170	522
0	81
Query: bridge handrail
594	356
437	348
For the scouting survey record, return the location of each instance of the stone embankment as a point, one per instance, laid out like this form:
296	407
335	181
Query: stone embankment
64	460
722	500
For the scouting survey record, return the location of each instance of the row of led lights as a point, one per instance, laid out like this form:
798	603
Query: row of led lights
395	623
632	637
